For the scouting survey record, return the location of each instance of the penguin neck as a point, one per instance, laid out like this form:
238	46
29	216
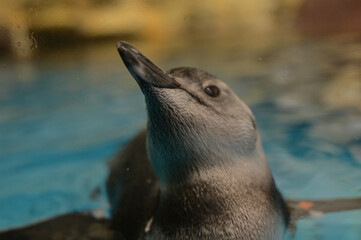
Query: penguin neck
177	161
223	174
176	166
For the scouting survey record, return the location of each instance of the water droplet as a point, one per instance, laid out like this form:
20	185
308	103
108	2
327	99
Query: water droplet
128	169
259	59
34	43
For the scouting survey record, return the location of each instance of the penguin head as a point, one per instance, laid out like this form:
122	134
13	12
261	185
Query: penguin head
195	121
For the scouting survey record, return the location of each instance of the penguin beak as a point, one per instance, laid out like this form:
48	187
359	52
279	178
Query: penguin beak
142	69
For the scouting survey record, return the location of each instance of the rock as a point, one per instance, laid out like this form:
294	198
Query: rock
324	17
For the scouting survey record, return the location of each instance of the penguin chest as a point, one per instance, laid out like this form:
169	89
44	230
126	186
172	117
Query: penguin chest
252	217
219	228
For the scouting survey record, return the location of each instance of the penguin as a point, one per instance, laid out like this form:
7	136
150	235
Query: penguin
213	180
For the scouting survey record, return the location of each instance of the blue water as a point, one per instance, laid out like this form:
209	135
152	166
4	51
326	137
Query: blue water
62	117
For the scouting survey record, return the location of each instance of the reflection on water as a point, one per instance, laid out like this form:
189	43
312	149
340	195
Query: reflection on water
63	117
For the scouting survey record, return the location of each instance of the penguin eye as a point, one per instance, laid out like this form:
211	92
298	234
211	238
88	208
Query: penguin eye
212	91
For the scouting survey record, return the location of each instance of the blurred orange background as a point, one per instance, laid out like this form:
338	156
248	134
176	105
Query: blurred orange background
33	25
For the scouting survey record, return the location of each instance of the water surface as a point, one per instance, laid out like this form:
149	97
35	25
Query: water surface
64	115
